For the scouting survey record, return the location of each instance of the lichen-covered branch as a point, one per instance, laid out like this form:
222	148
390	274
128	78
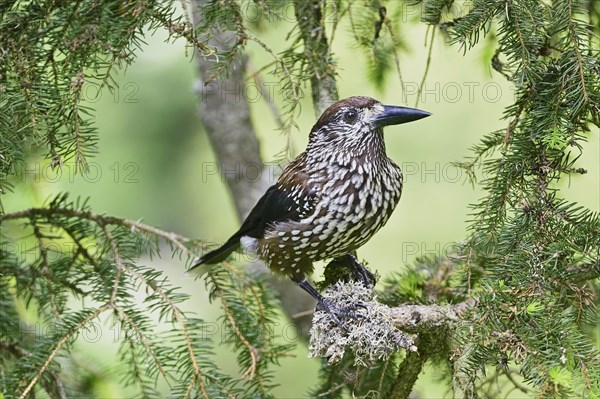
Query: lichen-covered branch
433	326
584	272
408	373
424	318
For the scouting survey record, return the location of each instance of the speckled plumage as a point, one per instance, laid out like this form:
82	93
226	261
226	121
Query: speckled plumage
342	200
332	198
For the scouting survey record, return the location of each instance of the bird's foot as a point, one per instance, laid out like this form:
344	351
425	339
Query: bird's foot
335	312
338	314
364	274
347	268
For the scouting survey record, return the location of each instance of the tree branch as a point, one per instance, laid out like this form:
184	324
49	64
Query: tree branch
317	53
413	319
408	373
433	325
54	385
225	114
417	319
60	344
408	317
583	273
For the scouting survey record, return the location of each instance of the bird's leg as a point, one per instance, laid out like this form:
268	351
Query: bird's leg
321	301
325	304
362	272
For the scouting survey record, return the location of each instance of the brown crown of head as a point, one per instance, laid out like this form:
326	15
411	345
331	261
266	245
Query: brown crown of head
330	113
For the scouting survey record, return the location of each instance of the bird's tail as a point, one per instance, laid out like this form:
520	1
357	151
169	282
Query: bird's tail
217	255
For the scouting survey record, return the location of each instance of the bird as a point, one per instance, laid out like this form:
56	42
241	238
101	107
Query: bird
328	201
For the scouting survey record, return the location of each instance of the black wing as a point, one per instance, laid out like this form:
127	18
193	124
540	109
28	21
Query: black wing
276	205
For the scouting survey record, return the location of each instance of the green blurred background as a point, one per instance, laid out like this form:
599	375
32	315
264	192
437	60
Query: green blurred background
155	164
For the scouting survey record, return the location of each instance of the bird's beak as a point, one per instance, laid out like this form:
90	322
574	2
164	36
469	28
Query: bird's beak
394	115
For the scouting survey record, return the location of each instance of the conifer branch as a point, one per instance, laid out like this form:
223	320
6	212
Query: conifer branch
177	314
32	213
60	344
104	221
145	341
575	41
317	54
118	262
17	351
251	349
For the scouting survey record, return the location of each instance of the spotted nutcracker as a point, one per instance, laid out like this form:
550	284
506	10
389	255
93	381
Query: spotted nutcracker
330	200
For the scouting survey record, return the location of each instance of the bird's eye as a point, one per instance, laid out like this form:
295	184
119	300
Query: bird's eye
350	116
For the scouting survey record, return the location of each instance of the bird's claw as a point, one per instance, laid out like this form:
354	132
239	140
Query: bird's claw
367	278
364	274
337	313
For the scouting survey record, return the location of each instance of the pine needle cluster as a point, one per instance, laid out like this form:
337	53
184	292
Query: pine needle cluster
95	260
50	53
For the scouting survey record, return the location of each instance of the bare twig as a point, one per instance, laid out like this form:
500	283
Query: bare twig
427	65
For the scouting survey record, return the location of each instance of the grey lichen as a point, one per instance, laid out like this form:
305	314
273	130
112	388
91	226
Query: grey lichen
370	333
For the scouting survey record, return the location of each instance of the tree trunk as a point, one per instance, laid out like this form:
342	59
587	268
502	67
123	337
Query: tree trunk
225	115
